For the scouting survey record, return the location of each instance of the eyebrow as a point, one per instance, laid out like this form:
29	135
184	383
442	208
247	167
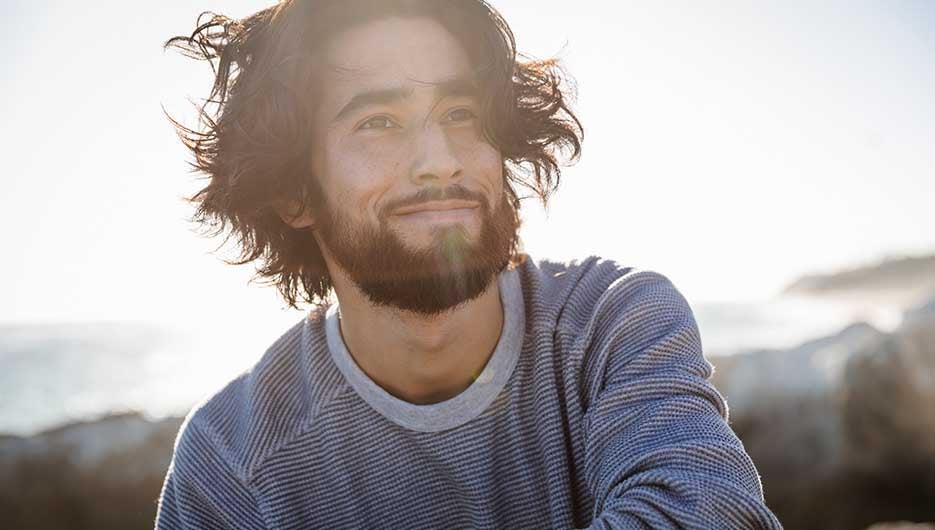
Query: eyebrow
456	87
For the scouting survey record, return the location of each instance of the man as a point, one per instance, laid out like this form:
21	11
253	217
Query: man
372	147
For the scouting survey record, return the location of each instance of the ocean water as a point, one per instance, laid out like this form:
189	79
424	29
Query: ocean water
56	373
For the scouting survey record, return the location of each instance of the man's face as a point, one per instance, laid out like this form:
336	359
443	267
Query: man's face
414	204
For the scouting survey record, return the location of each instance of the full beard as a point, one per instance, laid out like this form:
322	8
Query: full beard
429	281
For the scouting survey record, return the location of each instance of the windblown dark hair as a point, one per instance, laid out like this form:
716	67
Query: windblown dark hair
254	129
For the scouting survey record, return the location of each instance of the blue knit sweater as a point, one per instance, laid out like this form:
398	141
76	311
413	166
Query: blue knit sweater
595	411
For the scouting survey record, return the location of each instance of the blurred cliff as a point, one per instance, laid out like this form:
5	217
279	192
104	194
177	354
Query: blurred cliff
904	280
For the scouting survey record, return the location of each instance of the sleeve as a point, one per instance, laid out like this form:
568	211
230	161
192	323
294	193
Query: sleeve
659	453
202	491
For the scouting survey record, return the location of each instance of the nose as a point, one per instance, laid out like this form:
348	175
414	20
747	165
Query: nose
435	161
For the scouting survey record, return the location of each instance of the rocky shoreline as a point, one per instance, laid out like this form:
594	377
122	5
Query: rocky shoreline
102	474
842	430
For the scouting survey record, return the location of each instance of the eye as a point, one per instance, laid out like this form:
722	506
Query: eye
461	115
378	122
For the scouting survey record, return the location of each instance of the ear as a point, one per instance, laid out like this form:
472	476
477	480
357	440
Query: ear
293	214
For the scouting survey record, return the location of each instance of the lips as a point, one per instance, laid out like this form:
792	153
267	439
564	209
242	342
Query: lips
437	206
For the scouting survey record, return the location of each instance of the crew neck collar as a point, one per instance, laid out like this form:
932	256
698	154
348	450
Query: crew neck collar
461	408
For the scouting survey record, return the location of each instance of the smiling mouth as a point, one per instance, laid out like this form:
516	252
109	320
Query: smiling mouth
452	211
437	207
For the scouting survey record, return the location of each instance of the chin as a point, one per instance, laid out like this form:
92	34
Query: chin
441	238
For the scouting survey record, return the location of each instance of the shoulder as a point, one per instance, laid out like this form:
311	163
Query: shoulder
607	321
264	407
579	295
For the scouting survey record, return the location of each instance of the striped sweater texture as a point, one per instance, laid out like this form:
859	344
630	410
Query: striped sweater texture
607	420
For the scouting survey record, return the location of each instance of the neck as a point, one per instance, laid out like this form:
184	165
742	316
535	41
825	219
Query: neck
416	358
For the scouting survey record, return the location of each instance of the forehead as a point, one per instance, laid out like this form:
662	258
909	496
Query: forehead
391	52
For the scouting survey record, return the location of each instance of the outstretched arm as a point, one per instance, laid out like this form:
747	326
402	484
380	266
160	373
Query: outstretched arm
659	451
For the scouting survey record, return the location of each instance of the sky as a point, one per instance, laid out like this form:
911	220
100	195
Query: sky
731	146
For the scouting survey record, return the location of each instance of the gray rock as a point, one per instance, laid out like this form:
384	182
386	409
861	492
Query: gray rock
97	474
902	525
888	401
842	429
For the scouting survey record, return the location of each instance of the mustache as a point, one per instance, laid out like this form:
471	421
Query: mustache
455	191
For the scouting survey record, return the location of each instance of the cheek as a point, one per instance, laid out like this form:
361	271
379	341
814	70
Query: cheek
359	173
484	161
